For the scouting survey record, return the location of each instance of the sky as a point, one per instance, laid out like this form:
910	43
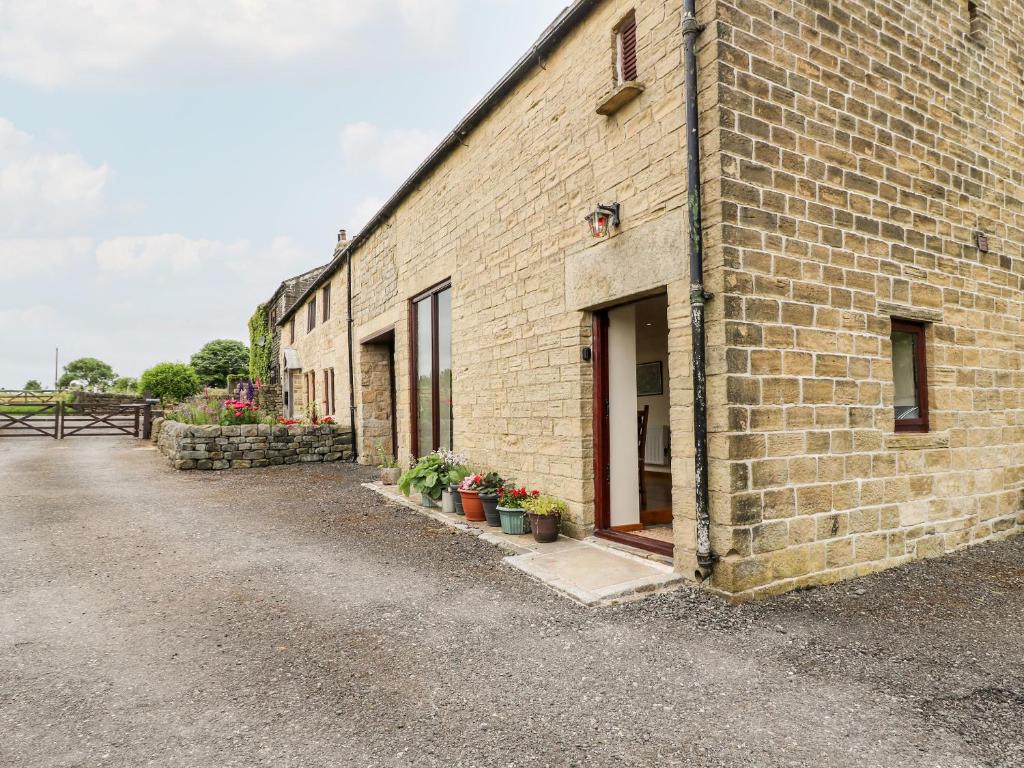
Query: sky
164	164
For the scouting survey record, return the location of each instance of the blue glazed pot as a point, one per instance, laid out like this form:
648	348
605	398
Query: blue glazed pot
514	521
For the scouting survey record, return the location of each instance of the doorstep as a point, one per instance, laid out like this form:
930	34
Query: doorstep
588	572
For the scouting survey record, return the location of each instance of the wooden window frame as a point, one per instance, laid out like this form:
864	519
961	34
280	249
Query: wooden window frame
918	330
326	297
311	315
627	67
435	374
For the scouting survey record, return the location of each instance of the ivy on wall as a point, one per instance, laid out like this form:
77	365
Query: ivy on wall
259	355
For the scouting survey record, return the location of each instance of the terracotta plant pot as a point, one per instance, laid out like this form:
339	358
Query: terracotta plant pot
457	498
514	521
472	507
545	527
390	475
490	504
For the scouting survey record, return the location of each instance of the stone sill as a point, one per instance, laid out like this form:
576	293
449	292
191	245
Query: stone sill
916	441
620	97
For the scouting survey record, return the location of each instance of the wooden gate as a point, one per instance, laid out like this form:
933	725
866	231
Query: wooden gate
92	420
29	414
35	414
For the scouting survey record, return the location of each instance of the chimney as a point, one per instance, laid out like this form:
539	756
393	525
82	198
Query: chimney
342	237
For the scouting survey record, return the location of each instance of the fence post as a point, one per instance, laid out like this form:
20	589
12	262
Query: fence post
58	421
147	419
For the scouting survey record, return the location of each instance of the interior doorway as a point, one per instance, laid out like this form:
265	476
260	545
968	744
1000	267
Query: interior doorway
633	438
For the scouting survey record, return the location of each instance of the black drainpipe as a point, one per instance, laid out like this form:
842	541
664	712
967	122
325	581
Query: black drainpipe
698	296
351	367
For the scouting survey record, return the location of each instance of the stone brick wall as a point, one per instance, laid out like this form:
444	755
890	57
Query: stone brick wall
851	150
863	144
502	218
252	445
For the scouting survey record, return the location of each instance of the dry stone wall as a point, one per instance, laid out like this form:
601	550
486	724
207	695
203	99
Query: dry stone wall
249	445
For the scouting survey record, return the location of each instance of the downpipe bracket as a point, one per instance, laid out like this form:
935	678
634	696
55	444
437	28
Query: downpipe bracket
691	26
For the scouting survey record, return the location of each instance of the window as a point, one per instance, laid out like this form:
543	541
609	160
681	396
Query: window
625	50
273	317
311	315
291	330
327	302
311	394
910	376
977	23
431	357
328	401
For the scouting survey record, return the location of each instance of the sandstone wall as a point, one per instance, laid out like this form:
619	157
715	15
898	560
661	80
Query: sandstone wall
251	445
862	145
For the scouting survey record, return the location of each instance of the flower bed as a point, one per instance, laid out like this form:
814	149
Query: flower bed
214	447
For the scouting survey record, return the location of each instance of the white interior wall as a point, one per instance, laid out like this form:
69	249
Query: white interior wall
625	476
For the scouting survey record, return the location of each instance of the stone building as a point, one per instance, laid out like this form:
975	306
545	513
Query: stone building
284	297
862	171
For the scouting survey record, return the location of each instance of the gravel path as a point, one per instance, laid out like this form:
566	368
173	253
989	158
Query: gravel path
287	617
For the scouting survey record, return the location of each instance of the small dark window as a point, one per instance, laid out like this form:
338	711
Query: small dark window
910	376
291	330
311	315
327	302
977	20
625	53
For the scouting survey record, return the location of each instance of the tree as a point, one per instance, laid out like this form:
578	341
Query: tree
125	384
171	382
220	358
95	373
32	386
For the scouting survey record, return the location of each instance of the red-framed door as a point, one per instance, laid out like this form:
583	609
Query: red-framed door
602	449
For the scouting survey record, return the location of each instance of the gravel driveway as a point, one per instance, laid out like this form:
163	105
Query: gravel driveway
287	617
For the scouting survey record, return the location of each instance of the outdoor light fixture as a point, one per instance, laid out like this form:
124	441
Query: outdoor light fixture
603	219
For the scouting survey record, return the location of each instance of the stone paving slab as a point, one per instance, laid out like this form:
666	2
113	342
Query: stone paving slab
585	571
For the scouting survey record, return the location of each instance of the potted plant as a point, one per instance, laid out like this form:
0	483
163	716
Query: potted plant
453	466
426	477
390	472
545	515
453	489
489	497
510	508
469	490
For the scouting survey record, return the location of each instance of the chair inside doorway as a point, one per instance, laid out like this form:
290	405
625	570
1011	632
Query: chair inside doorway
632	432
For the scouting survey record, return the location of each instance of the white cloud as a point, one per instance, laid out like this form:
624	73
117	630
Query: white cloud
132	301
45	190
18	320
391	155
365	211
51	44
29	258
156	252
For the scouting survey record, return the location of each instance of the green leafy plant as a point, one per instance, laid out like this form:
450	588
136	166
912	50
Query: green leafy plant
511	497
545	506
385	458
427	476
260	335
490	483
33	386
171	382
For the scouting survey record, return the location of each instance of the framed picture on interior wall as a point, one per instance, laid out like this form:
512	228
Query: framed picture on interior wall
648	379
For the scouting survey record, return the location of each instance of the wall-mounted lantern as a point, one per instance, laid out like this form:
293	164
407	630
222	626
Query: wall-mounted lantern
603	219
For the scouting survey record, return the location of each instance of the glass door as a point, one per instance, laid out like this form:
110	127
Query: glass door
432	370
